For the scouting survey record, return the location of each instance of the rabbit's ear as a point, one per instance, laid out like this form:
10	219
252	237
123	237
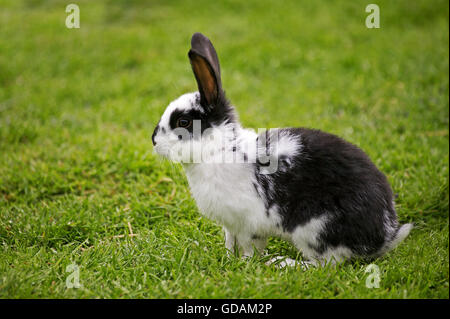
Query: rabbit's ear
205	64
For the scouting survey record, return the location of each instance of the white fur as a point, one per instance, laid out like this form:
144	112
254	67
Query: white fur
288	145
336	254
289	262
402	233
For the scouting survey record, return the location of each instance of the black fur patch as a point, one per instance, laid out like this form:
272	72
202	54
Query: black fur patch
334	178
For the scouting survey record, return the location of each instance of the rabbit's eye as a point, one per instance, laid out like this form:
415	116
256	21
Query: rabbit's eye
184	122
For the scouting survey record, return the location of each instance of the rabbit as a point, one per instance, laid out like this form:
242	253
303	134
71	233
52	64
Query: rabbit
325	195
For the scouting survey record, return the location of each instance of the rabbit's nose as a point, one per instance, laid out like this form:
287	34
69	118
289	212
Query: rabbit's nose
154	134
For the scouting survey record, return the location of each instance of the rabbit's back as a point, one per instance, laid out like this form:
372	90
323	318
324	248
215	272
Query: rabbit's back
333	182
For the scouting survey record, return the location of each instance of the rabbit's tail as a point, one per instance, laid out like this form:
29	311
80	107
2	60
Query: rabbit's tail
400	235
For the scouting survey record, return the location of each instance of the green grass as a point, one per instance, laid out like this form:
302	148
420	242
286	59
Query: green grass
77	107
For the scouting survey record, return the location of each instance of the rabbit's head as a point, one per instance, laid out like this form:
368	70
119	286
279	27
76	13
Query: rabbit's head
186	118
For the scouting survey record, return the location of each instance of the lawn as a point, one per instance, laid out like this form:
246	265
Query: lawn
80	184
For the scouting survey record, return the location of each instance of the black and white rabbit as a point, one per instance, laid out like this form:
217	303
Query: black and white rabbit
326	196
